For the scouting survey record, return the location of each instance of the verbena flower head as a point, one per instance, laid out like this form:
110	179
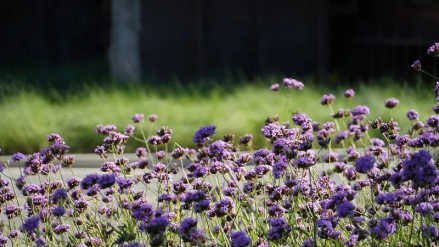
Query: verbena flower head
360	110
89	181
274	87
345	209
239	239
433	50
30	224
349	93
364	164
138	118
106	180
417	65
203	133
419	169
18	157
327	99
412	115
152	118
59	194
391	103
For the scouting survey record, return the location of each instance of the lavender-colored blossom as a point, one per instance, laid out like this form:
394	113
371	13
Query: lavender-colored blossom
138	118
152	118
391	103
279	167
274	87
59	194
364	164
30	224
141	152
239	239
424	208
351	174
327	99
349	93
203	133
419	168
272	131
143	212
433	121
18	157
106	181
342	135
58	211
429	231
89	181
360	110
129	130
432	51
345	209
60	229
412	115
385	227
279	229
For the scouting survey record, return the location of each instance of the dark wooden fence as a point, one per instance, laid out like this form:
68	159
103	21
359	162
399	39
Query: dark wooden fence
357	38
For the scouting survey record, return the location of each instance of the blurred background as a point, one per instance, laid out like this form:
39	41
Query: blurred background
66	66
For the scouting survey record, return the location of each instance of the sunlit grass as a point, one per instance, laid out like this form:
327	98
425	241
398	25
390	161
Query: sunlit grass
28	116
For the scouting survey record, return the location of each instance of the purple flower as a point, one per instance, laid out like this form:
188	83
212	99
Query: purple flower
279	167
239	239
342	135
279	229
391	103
412	115
345	209
377	142
305	160
89	181
224	207
424	208
203	133
157	225
138	118
433	121
417	65
152	118
60	229
432	51
364	164
58	211
59	194
187	226
129	130
385	227
293	83
349	93
18	157
30	224
419	168
141	152
143	212
274	87
360	110
327	99
429	231
272	131
106	180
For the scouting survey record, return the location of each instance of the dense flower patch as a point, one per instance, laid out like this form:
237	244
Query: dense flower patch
379	192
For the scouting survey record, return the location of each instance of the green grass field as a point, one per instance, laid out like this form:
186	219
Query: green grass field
28	115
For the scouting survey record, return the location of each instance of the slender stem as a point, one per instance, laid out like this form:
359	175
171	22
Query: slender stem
429	74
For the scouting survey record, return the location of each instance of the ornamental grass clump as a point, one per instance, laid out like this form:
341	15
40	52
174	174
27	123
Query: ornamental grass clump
297	190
